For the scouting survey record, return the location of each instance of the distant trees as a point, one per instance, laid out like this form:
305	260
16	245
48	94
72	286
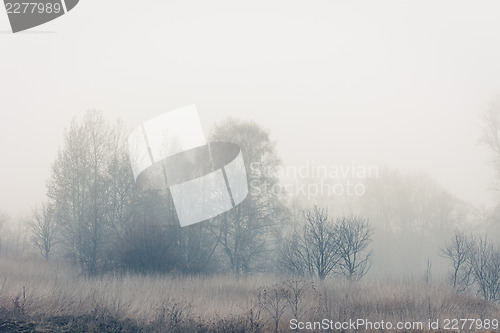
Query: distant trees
103	221
3	220
491	134
44	231
491	139
324	246
411	215
475	259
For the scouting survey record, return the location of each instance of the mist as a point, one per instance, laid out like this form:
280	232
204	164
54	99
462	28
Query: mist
375	109
397	84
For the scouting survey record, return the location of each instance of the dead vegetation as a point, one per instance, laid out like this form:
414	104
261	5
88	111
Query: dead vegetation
36	296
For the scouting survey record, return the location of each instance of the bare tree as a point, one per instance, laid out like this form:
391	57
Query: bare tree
486	269
459	250
293	255
301	295
354	237
476	263
44	229
274	300
81	188
313	248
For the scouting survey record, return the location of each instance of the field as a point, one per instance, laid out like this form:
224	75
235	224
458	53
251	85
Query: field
36	296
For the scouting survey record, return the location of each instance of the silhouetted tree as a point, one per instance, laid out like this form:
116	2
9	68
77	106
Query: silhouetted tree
322	247
312	248
44	229
486	269
460	250
354	237
82	189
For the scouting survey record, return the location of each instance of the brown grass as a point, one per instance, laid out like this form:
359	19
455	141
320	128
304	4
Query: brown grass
51	297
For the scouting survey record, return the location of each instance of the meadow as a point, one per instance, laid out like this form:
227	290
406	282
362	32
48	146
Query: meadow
39	296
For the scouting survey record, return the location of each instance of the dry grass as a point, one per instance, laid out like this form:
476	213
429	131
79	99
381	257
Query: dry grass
36	290
53	289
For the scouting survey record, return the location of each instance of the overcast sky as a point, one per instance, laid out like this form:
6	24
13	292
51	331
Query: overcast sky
399	84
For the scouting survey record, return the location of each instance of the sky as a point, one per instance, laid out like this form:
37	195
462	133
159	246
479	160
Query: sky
399	84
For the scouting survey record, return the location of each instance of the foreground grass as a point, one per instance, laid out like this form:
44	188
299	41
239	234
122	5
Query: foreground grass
36	296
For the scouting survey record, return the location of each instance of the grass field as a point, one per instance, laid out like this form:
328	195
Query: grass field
36	296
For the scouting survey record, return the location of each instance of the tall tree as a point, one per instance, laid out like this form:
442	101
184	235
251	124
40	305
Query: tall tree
246	233
81	187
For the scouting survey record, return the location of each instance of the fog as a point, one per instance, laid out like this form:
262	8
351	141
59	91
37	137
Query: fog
396	84
383	101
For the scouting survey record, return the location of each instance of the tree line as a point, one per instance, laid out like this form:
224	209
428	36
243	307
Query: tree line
97	219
